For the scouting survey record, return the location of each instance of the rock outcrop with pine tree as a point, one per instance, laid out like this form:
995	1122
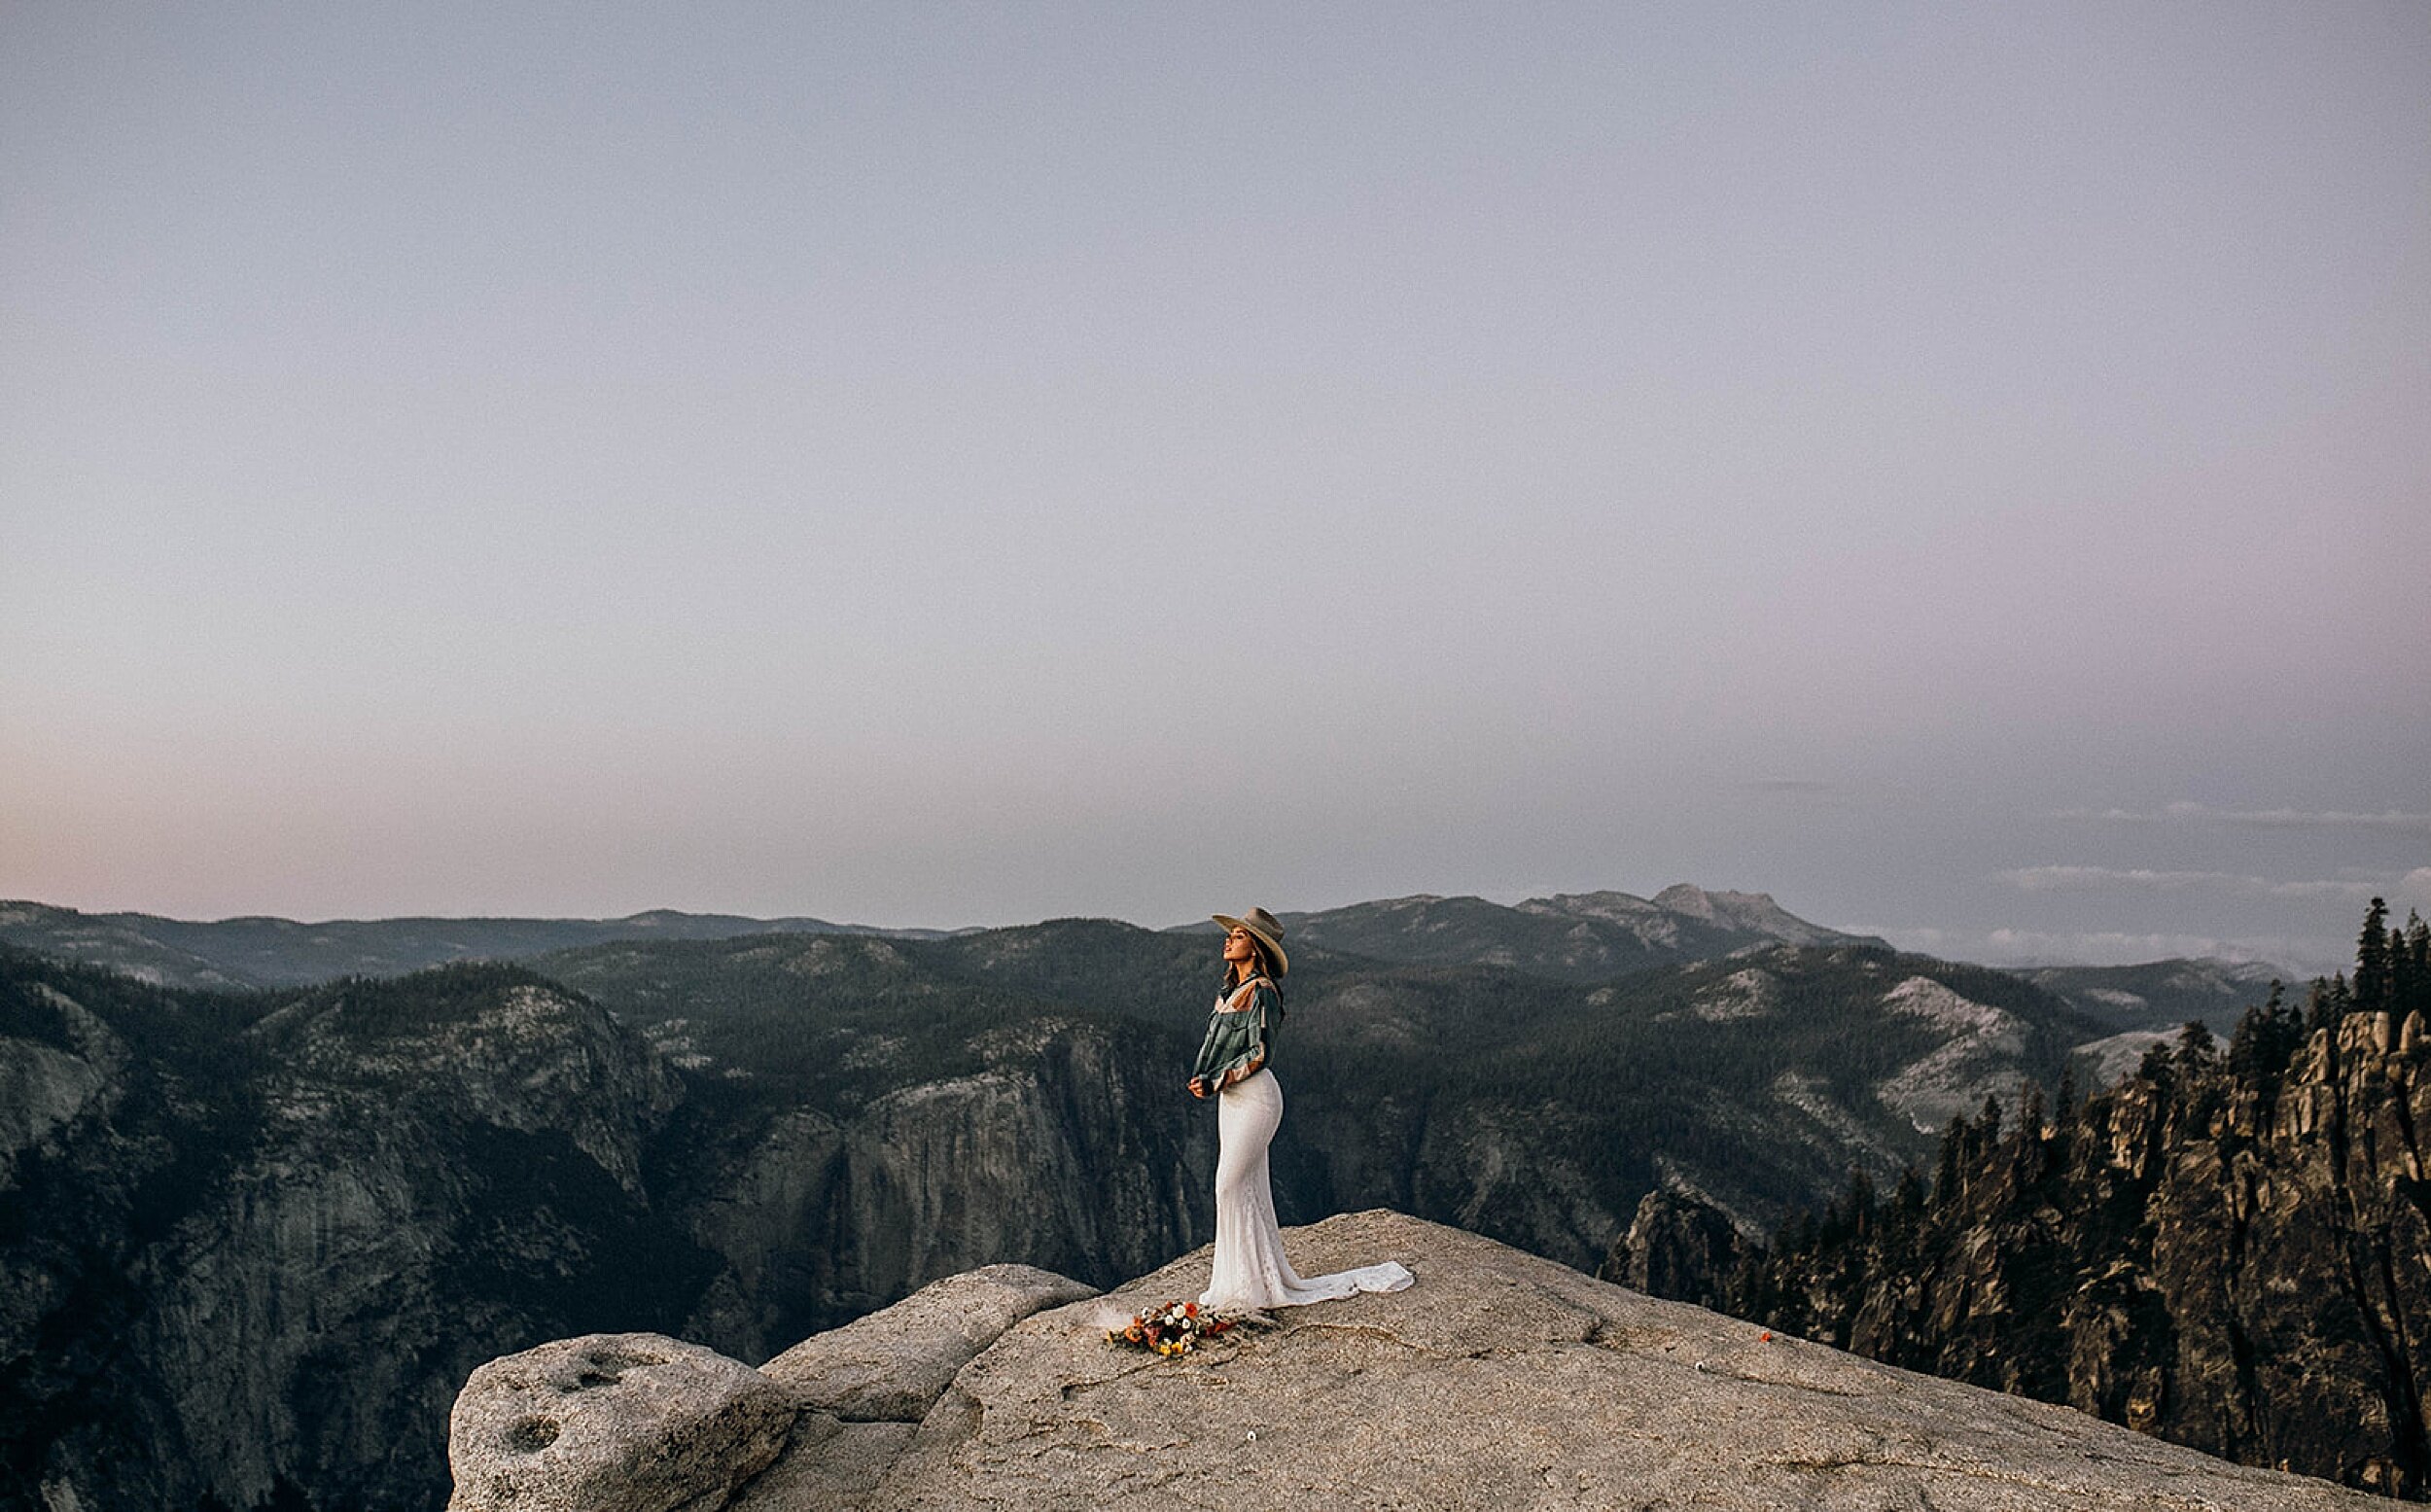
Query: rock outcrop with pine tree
2231	1249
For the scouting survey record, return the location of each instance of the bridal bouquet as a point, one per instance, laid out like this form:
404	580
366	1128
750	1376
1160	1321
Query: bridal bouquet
1175	1329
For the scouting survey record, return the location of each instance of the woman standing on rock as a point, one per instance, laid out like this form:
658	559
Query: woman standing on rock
1251	1271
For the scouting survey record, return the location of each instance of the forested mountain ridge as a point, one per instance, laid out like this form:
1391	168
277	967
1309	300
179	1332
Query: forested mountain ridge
2231	1248
1571	936
1757	1079
1589	937
2148	1004
2158	994
1583	938
265	952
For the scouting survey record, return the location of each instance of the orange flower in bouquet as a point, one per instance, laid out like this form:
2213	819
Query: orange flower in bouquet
1174	1330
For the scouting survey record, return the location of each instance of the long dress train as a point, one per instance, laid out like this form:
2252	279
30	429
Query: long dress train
1251	1271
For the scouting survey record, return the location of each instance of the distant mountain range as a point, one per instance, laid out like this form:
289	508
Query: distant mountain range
1575	937
2162	993
1585	938
1571	937
265	952
1581	938
2147	1004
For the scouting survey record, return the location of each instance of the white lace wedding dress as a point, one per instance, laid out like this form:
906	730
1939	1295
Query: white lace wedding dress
1251	1271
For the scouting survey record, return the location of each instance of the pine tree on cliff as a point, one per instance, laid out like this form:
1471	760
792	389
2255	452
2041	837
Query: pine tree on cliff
2190	1252
1987	1124
2265	1041
2156	1067
2409	967
1948	1172
2372	960
2329	1003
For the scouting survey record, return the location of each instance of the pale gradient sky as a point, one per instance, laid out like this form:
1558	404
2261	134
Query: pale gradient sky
1962	469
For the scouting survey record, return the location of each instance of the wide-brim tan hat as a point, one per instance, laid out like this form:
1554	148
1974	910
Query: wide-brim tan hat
1269	934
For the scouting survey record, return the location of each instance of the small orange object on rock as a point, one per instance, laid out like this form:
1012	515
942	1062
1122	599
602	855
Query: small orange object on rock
1766	1336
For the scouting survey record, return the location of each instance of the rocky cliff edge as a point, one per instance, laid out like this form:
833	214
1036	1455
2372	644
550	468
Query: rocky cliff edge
1499	1381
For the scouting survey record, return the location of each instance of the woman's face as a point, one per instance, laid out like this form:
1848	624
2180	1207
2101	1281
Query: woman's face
1239	945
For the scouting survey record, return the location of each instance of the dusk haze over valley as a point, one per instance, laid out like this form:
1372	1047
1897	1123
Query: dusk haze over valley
641	647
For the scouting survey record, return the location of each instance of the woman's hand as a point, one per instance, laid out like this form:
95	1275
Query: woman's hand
1198	1088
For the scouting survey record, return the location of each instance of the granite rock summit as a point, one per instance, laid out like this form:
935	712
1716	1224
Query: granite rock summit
1500	1381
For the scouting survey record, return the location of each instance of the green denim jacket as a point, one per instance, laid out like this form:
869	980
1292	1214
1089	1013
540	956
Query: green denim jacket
1240	1041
